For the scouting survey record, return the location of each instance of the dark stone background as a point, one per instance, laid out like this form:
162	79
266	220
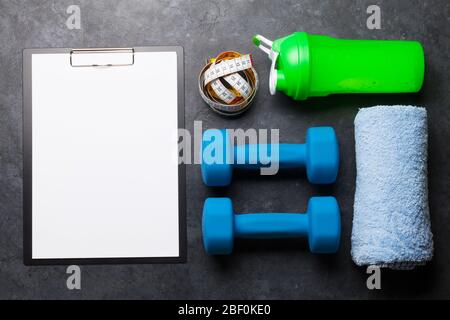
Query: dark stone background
276	269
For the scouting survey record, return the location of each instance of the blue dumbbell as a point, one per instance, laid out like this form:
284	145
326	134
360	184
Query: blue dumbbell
320	156
321	224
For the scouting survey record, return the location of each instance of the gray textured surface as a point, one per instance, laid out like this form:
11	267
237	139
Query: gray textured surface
204	28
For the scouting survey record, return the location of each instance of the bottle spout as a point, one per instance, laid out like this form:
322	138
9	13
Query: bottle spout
264	44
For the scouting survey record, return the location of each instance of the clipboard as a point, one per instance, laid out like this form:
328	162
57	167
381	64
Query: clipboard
102	182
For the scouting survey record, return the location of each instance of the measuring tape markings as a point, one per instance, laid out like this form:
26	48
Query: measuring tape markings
228	83
239	83
229	110
222	91
227	67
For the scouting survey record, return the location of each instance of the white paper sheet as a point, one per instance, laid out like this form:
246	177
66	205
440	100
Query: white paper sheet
104	165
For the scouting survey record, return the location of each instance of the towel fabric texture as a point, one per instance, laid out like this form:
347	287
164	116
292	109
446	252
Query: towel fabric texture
391	221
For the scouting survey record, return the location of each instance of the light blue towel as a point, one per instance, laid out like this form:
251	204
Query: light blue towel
391	221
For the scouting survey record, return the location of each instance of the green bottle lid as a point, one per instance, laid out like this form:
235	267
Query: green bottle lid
293	63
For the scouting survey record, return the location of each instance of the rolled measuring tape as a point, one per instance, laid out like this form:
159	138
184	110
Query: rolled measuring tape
228	83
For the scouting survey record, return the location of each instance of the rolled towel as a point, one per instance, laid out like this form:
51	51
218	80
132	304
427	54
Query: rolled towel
391	221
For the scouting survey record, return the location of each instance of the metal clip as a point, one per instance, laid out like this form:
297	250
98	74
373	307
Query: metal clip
97	58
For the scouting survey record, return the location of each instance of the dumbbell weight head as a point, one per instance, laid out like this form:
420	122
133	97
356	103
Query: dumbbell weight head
322	155
218	226
321	224
217	166
324	232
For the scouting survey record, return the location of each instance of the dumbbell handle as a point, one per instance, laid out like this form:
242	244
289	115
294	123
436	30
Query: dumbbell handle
271	225
248	156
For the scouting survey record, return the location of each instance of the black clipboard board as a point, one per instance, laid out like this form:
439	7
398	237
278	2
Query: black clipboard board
29	258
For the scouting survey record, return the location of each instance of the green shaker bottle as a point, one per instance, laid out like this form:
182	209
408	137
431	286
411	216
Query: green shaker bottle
306	65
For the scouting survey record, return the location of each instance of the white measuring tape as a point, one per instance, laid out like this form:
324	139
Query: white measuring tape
239	83
227	67
225	94
229	85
